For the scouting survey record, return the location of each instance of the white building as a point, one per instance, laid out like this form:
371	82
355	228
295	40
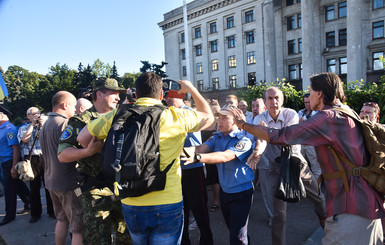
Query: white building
235	43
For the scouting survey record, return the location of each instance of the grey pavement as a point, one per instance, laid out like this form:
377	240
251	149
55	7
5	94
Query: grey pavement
302	226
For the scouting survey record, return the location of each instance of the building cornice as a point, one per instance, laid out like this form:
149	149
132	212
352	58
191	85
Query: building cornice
165	25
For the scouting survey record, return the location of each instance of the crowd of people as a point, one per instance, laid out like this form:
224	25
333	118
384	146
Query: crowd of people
227	148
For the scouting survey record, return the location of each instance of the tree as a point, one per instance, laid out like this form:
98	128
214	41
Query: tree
128	80
99	69
114	73
157	69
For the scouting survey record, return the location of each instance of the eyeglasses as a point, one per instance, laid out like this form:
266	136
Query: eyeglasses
371	104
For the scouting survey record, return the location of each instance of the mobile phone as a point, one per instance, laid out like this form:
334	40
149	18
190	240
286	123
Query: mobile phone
171	88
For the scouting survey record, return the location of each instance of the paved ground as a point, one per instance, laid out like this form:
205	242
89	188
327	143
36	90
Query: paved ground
302	226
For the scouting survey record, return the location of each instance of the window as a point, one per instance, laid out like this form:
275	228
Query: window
343	65
378	29
289	2
249	16
329	10
291	47
377	63
299	21
232	61
331	65
233	81
299	45
251	58
215	83
200	85
199	68
183	53
214	46
214	65
231	42
230	22
330	39
292	72
251	78
182	37
290	23
300	71
342	10
197	32
378	4
250	37
213	27
342	37
184	71
198	50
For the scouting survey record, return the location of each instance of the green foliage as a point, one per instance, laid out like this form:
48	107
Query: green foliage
157	69
99	69
114	73
128	80
357	93
293	98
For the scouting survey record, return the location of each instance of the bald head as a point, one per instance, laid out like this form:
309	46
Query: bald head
82	105
64	103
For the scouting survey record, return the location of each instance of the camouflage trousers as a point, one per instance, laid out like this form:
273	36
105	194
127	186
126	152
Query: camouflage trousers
99	221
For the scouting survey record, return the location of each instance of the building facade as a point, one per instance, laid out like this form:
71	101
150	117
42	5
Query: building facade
236	43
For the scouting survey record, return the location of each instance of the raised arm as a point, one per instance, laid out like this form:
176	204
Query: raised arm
205	115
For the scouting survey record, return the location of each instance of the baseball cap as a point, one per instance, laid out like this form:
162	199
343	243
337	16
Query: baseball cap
225	111
107	83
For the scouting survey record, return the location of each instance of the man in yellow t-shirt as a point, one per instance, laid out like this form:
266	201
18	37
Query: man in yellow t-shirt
157	217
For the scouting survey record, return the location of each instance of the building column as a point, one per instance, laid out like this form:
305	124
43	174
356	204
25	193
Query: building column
269	41
308	47
356	62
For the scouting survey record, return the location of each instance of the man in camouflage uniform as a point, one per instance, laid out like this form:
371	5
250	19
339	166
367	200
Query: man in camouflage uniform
98	220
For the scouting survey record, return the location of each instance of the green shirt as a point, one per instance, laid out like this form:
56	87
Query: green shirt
89	166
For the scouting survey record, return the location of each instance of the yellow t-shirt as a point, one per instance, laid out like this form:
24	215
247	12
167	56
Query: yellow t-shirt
174	125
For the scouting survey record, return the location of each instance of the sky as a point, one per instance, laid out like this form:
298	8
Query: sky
38	34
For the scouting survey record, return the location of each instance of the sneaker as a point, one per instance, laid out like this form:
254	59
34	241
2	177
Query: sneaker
24	211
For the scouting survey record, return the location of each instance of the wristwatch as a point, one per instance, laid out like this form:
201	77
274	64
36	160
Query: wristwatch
197	157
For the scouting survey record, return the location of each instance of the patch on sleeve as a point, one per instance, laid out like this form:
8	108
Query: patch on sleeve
67	133
11	135
240	145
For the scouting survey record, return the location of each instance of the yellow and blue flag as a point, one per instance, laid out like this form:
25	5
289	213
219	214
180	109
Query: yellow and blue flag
3	88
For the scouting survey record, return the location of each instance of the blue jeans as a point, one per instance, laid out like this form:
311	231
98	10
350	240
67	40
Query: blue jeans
160	224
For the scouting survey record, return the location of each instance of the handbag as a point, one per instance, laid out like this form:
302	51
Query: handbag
24	168
291	188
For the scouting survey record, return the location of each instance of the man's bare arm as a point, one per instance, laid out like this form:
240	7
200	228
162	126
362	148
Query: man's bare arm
71	154
205	115
84	137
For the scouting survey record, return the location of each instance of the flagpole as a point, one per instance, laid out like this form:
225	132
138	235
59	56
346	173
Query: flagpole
186	41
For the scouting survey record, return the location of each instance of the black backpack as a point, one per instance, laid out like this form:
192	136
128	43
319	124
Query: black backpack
131	158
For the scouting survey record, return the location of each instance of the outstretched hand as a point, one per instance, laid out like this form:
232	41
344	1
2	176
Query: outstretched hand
188	155
239	117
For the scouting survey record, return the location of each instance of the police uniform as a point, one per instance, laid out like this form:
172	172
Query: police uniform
236	179
8	138
98	220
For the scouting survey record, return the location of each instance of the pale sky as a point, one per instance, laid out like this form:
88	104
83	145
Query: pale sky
37	34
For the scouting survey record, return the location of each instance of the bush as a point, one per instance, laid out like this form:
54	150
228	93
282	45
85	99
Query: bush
293	98
357	93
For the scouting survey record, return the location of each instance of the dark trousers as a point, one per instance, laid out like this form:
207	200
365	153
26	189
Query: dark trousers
236	210
35	185
195	199
13	187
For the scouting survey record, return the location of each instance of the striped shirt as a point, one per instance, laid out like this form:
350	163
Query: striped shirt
329	127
